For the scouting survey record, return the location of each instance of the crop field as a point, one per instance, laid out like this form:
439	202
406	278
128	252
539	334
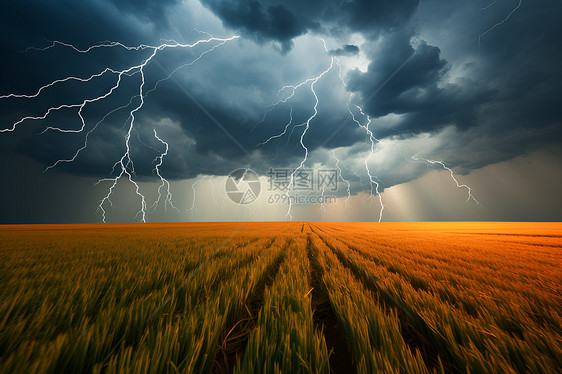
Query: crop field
291	297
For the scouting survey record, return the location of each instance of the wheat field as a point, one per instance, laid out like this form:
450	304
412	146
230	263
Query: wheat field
281	297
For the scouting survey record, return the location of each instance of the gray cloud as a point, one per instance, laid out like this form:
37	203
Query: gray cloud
269	22
501	101
346	50
282	21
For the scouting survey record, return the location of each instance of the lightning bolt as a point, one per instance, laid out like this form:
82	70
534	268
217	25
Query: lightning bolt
342	178
489	5
499	23
194	186
163	181
290	91
284	130
442	164
124	166
312	82
373	140
372	179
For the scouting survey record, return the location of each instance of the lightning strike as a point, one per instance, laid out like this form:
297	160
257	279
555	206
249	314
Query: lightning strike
85	144
312	81
442	164
282	133
290	91
194	187
124	166
499	23
372	179
489	5
340	174
374	184
164	183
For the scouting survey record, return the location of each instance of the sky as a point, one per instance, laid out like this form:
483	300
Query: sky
423	110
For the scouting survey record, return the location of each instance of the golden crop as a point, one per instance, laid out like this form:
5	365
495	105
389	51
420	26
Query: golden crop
281	297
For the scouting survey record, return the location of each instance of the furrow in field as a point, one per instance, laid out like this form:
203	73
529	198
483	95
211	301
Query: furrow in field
87	302
458	252
188	343
121	319
325	319
284	338
476	345
374	330
234	338
476	297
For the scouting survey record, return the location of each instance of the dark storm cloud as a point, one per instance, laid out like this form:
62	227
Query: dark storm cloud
153	11
346	50
379	14
283	21
509	96
523	61
34	23
273	22
417	90
513	86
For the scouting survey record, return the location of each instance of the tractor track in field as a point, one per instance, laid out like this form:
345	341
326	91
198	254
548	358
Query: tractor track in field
413	328
454	303
234	339
223	274
192	266
188	270
448	262
226	273
324	318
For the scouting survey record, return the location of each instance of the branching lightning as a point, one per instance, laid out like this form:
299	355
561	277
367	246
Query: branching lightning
372	179
459	185
194	187
306	124
340	174
124	167
312	81
499	23
284	130
359	117
164	183
292	89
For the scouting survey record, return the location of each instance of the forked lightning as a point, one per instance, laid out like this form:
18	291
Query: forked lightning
124	167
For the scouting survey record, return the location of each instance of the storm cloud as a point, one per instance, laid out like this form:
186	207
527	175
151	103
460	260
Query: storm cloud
441	79
346	50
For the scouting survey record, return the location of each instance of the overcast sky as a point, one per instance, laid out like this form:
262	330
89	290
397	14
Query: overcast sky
474	84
